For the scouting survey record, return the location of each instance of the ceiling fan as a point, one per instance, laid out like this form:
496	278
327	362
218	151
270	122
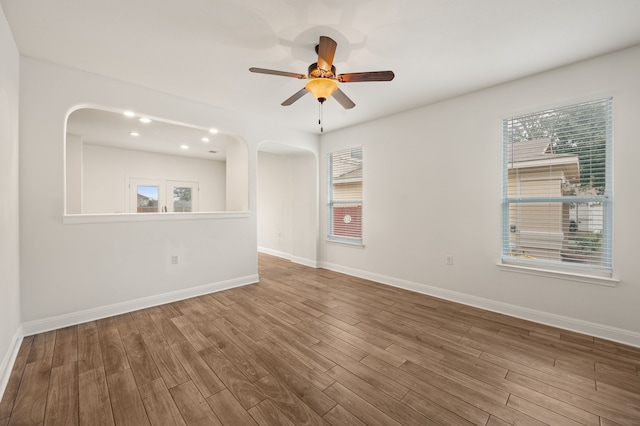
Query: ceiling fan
323	80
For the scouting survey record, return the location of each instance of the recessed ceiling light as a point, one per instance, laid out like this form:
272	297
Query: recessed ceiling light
134	133
144	120
205	139
184	146
213	131
130	113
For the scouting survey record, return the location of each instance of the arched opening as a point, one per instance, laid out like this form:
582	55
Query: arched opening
120	162
287	202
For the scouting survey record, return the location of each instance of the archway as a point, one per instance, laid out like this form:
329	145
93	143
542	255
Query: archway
287	202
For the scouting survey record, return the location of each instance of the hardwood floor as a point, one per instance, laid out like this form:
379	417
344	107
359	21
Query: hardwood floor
309	347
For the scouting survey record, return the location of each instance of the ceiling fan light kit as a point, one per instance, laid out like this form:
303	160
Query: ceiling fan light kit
321	88
323	80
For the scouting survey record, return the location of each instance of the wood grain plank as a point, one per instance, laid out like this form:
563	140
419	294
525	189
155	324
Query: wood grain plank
142	365
229	410
194	408
368	374
251	369
170	368
93	399
539	412
62	398
431	394
296	383
66	347
359	407
290	405
31	399
42	346
159	404
125	399
245	392
114	357
400	412
340	416
89	351
13	385
167	328
192	333
201	374
267	414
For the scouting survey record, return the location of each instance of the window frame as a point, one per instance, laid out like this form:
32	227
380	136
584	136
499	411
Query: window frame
584	273
332	202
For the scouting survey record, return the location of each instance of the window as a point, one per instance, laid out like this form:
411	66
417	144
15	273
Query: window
345	196
157	196
557	205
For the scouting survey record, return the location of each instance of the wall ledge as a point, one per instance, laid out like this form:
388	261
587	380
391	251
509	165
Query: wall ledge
74	219
614	334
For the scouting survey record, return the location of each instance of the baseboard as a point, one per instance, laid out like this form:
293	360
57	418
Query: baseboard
9	360
312	263
306	262
73	318
275	253
614	334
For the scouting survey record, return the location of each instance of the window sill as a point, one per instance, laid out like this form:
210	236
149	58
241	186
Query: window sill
73	219
569	276
358	244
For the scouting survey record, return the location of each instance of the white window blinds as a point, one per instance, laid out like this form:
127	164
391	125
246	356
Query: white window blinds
345	195
557	204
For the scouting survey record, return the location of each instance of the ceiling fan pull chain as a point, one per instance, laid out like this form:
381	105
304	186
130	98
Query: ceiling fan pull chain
320	116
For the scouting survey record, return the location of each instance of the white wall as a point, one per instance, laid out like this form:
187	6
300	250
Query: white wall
288	205
432	181
10	330
275	202
107	171
74	272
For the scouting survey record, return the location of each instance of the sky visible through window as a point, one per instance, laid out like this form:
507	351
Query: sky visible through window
150	192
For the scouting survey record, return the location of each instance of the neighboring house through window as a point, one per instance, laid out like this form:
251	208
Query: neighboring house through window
557	205
345	196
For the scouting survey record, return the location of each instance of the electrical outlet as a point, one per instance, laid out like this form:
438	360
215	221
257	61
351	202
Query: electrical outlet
449	260
174	260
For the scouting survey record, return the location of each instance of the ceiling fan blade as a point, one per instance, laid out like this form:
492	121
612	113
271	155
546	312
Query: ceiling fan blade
366	76
300	93
343	99
326	52
274	72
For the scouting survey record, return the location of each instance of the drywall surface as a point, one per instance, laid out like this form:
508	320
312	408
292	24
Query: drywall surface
107	174
10	333
432	188
71	268
288	205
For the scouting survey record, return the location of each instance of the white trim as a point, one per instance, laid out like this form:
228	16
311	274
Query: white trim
73	219
312	263
276	253
564	275
73	318
614	334
304	261
9	360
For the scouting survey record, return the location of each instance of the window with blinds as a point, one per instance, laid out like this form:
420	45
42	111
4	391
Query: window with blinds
557	204
345	196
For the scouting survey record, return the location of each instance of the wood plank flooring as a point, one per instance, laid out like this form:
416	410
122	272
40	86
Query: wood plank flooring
313	347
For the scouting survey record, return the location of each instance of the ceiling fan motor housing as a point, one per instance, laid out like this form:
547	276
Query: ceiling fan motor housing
316	72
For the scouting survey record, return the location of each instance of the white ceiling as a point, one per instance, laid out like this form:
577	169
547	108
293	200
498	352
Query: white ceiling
202	49
110	128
